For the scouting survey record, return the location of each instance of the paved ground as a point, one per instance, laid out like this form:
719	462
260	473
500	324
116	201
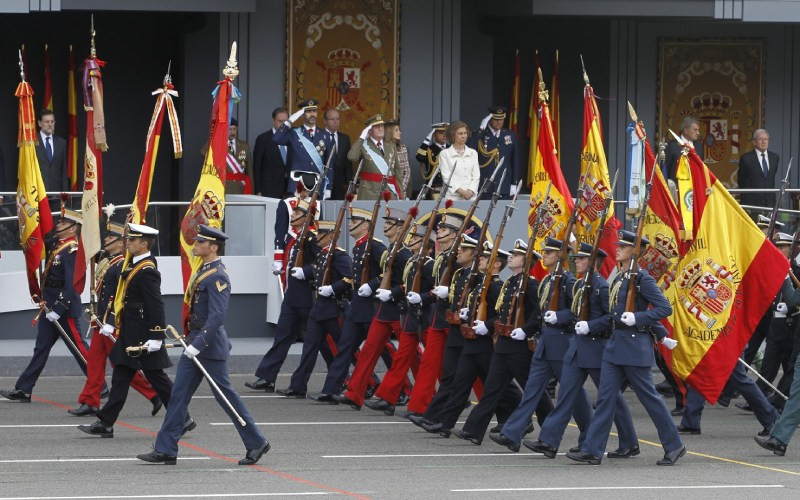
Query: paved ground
333	450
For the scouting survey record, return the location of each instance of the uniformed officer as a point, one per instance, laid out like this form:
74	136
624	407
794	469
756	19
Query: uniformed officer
428	154
380	158
551	347
59	295
512	356
495	143
139	324
305	183
107	275
307	146
209	292
629	357
583	359
331	299
295	306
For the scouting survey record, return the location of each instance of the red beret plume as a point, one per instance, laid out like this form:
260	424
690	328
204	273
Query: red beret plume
413	212
386	195
448	204
64	197
299	186
350	197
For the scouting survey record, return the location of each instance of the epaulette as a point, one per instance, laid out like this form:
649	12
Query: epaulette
341	249
377	239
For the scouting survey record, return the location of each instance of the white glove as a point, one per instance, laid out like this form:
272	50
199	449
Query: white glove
518	334
297	114
581	328
513	190
52	316
669	343
550	317
441	291
365	132
485	121
628	318
364	290
326	195
325	291
152	345
384	295
191	351
413	298
277	267
480	327
107	330
464	313
781	308
298	274
429	137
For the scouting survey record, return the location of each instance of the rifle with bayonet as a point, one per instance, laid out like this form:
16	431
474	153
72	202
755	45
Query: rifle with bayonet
558	273
779	201
337	229
371	233
312	206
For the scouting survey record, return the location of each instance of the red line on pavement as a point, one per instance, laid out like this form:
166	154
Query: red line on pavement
213	454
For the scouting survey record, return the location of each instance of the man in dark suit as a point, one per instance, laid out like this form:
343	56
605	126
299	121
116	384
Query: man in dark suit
270	160
342	167
52	155
690	133
308	150
757	170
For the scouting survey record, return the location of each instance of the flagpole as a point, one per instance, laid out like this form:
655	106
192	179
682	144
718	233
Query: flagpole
760	377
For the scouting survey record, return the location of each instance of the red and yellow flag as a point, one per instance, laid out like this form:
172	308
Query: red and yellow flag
533	121
555	107
513	108
48	83
597	187
72	124
725	283
33	209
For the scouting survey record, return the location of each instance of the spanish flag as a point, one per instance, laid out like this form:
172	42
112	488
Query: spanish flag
72	124
533	121
594	173
33	209
725	283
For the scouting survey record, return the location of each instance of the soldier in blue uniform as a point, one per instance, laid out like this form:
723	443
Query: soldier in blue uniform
551	348
209	294
428	154
331	299
308	150
629	356
295	306
64	303
583	359
512	356
494	143
305	183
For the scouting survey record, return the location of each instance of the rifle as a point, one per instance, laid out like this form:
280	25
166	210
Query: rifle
558	272
371	233
337	229
447	275
386	279
588	280
518	301
312	205
795	241
778	201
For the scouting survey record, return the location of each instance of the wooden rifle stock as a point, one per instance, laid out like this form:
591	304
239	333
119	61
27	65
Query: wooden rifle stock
417	283
779	201
633	268
371	234
299	257
558	272
337	229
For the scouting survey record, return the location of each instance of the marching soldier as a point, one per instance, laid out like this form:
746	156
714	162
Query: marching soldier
428	154
64	305
295	306
583	359
107	276
380	158
305	183
323	320
139	324
629	357
495	143
551	348
307	145
209	293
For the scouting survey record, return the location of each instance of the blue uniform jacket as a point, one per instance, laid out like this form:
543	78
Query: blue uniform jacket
418	317
297	156
209	304
554	341
362	309
483	343
505	315
633	345
341	280
58	290
298	292
589	348
457	286
389	310
490	150
106	290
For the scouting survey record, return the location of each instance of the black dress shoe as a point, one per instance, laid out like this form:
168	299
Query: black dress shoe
624	452
380	405
104	394
402	400
771	444
83	410
344	400
682	429
408	414
500	439
97	429
585	458
540	447
157	405
575	449
466	436
664	388
189	426
765	431
672	457
724	401
677	411
496	429
254	456
528	429
432	427
291	393
323	398
261	385
156	457
17	395
371	391
417	420
744	406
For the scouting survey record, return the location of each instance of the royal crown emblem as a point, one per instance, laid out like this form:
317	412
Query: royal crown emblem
705	290
658	258
592	202
202	211
344	79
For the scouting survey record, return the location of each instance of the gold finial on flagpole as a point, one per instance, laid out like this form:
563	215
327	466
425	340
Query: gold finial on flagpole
21	66
544	95
93	33
583	68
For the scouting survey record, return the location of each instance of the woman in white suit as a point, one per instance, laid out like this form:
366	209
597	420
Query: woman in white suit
464	183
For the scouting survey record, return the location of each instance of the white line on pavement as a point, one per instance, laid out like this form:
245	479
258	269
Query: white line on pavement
424	455
85	459
317	423
207	495
243	397
580	488
29	426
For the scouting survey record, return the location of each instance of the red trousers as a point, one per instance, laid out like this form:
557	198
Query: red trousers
405	357
99	349
430	370
377	336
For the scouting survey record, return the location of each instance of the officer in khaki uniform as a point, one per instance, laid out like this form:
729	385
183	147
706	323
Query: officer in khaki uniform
380	158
